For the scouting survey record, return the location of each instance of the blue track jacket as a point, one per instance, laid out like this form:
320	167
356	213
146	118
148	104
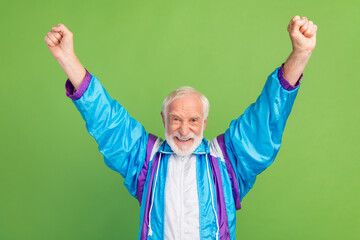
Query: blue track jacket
234	158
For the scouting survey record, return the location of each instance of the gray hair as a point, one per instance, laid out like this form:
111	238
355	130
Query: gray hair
182	91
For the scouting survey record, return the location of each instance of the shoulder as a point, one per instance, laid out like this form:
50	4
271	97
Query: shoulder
217	147
153	146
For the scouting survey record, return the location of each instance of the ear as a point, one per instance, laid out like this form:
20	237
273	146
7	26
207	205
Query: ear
205	122
163	118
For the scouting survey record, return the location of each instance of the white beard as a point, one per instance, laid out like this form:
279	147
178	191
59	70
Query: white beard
179	151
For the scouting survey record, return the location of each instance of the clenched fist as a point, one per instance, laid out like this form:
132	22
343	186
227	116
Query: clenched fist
303	34
60	41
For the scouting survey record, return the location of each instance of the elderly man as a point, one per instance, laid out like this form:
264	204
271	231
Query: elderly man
188	187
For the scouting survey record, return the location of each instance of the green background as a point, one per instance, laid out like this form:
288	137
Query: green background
53	181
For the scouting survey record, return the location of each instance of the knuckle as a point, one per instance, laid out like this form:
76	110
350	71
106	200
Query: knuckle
298	21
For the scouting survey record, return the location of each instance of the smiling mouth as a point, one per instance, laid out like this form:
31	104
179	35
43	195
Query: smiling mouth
183	139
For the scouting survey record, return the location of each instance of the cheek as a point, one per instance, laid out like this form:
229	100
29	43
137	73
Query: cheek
171	128
197	130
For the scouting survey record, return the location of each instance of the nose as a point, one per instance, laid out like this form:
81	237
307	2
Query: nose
184	129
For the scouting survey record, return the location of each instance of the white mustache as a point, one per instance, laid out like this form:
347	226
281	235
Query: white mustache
183	138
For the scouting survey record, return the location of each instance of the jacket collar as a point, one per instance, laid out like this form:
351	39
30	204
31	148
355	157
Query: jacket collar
203	148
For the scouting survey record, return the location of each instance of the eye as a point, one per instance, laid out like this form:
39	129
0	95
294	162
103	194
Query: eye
194	120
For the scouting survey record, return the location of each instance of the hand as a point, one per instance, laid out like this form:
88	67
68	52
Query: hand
60	42
61	45
303	37
303	34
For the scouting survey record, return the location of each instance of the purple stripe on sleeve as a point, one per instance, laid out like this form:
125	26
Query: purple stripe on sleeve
220	200
145	225
285	83
82	88
143	173
234	184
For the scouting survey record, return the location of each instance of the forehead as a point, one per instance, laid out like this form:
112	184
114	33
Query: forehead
189	104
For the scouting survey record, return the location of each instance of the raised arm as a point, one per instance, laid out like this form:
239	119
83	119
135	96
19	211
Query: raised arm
60	43
122	140
253	140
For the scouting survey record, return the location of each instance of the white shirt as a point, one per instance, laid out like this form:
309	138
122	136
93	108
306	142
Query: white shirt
181	199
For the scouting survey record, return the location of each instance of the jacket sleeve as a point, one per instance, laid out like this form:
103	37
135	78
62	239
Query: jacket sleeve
122	140
253	140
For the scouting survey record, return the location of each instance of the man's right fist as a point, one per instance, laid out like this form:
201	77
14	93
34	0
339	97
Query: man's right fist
60	42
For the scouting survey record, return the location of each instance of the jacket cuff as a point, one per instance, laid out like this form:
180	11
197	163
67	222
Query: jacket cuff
285	83
76	94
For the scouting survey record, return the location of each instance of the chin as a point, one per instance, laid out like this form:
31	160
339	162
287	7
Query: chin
186	149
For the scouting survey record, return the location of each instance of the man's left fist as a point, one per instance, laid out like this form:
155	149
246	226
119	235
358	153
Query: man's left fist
303	34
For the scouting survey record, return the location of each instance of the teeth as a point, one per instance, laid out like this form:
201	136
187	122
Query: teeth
184	140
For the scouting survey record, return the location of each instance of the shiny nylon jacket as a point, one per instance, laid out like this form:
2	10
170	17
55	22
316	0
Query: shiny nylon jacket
234	158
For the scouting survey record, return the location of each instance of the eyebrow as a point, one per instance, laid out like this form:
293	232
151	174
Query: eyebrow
176	115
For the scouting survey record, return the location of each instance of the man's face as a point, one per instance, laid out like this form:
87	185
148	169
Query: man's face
184	124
